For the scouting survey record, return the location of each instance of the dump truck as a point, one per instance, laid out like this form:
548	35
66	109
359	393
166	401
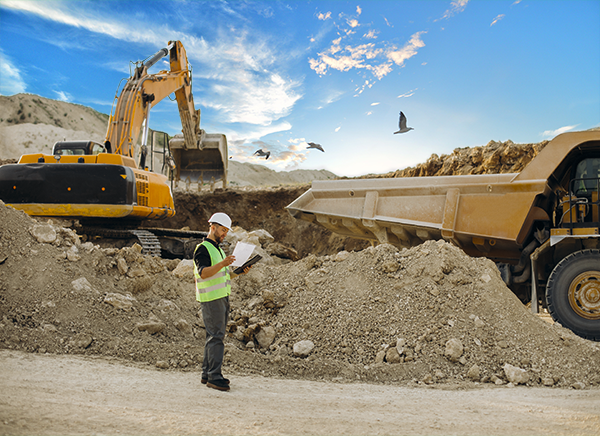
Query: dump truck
108	186
541	226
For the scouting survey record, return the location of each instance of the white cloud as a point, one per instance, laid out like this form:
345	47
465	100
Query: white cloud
12	82
498	18
374	104
284	156
408	51
456	7
371	34
553	133
379	61
352	22
337	129
323	17
63	96
254	133
407	94
358	10
241	69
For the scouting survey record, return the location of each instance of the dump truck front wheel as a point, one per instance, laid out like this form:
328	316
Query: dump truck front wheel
573	293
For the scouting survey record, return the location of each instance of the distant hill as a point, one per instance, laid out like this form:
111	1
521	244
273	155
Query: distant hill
32	124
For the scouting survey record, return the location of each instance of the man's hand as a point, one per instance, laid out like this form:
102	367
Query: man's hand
210	271
227	261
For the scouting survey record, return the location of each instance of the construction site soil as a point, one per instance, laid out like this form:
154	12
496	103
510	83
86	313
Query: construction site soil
317	308
425	315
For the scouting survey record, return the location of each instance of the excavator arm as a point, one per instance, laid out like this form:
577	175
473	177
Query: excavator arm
143	91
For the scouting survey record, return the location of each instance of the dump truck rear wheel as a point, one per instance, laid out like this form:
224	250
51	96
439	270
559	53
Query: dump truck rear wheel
573	293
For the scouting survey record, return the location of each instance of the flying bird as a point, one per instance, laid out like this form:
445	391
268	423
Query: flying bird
260	152
402	125
317	146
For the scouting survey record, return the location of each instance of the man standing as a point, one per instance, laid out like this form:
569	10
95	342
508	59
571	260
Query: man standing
213	287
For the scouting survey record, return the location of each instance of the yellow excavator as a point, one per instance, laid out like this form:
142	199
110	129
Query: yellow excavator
101	183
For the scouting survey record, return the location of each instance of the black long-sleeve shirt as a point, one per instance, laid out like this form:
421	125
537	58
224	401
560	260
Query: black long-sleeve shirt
202	256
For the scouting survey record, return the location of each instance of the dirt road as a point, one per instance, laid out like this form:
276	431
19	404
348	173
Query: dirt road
50	394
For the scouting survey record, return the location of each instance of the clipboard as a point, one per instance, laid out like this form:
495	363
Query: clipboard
250	262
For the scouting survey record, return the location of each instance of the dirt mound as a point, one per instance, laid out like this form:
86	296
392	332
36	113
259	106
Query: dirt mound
493	158
429	314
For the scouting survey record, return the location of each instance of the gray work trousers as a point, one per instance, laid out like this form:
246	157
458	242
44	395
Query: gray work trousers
215	314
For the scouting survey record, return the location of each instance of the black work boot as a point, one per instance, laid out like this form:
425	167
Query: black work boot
220	385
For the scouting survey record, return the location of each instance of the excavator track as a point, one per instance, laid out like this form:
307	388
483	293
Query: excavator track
154	241
149	242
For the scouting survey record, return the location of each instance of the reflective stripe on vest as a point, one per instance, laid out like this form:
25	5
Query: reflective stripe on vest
217	286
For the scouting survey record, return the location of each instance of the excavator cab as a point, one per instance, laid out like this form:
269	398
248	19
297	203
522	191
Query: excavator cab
77	148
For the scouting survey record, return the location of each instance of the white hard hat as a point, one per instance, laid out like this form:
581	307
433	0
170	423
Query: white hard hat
222	219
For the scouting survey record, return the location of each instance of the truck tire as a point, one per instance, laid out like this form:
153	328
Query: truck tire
573	293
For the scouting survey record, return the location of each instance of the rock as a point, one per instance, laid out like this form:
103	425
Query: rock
183	326
49	328
250	344
73	254
496	380
280	250
303	348
474	373
478	322
263	236
515	374
454	349
380	356
341	256
83	341
265	336
82	285
151	326
162	364
390	266
578	385
120	301
165	305
185	269
44	233
548	381
392	355
136	272
122	266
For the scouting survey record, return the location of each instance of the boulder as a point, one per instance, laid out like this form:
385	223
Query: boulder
83	285
120	301
303	348
44	233
454	349
265	336
515	375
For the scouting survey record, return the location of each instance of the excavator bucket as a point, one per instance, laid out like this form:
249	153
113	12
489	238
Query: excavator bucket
205	164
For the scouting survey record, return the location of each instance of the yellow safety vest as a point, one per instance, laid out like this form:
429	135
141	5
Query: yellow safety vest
217	286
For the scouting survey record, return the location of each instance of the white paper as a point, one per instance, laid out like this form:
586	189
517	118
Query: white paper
242	253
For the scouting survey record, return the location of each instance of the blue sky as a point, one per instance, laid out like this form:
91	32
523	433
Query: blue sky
278	74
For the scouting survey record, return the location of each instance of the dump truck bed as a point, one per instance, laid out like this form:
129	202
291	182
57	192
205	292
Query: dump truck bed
480	213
